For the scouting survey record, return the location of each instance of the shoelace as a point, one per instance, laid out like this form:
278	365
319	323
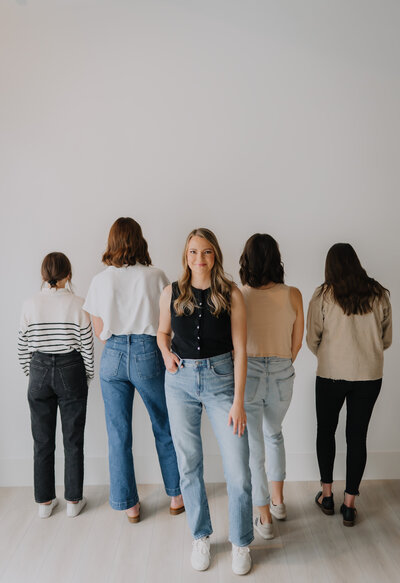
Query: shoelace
200	546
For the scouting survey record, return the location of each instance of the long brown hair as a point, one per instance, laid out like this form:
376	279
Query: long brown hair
55	267
221	285
260	262
126	244
348	281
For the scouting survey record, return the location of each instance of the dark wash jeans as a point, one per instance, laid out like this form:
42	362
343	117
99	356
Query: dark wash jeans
57	380
360	399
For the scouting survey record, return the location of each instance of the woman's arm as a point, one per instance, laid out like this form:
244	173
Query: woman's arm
315	322
171	361
387	323
98	327
298	326
237	414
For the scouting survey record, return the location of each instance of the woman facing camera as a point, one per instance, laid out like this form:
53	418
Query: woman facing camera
123	300
206	313
348	327
275	326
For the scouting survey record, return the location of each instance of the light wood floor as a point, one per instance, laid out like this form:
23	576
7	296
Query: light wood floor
101	546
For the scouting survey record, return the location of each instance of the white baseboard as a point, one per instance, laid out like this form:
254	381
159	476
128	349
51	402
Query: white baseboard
300	467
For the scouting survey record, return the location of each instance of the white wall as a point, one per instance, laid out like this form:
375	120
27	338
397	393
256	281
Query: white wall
242	116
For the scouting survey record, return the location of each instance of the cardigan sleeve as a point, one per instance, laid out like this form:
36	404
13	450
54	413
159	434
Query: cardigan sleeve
315	321
387	323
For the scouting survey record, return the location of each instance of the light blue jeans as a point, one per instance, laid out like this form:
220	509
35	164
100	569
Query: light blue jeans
269	388
129	362
209	382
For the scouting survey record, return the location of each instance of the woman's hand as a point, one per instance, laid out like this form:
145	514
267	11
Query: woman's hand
237	416
171	361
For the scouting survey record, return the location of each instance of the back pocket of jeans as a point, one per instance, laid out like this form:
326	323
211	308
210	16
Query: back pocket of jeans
148	365
285	387
109	363
37	375
252	384
73	378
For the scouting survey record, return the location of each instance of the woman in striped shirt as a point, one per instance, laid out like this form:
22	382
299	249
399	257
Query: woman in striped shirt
55	349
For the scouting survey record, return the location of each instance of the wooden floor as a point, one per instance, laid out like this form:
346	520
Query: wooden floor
101	546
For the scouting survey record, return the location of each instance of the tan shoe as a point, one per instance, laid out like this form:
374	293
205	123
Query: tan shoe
134	519
176	511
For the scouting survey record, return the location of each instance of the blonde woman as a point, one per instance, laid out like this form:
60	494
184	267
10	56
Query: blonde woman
206	313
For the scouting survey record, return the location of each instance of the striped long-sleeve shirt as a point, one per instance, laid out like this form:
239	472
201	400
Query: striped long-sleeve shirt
54	322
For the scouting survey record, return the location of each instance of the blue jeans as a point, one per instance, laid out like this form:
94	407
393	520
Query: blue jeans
269	388
209	382
130	362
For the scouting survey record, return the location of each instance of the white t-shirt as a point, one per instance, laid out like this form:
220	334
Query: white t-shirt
126	299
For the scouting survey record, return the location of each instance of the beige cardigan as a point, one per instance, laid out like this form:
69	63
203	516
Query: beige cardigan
348	347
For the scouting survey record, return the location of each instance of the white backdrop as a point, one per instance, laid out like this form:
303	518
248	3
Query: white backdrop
242	116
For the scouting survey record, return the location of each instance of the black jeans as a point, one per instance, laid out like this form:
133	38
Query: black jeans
57	380
360	400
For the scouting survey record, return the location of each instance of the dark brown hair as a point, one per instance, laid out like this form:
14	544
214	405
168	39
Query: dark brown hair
260	262
126	244
55	267
348	281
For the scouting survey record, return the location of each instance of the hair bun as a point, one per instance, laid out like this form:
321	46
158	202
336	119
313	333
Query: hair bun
52	282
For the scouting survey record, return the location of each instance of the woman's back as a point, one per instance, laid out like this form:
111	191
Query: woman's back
126	298
270	319
348	347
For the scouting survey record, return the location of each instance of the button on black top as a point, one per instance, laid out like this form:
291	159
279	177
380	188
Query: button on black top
200	335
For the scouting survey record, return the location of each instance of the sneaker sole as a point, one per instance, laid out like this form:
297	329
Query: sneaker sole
264	536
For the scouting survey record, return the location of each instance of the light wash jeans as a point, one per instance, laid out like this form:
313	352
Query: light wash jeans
209	382
130	362
269	388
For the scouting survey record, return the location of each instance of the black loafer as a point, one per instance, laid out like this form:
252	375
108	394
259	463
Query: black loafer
327	506
349	515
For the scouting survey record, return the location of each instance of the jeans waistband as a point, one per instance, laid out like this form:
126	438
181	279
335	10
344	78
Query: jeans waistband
48	359
123	339
204	362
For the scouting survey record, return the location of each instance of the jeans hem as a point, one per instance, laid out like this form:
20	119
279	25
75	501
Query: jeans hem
124	505
40	501
281	478
241	544
265	502
202	535
173	491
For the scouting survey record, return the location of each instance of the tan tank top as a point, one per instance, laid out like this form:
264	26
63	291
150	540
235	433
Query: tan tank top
270	319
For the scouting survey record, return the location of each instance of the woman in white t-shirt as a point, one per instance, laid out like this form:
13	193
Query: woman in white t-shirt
123	301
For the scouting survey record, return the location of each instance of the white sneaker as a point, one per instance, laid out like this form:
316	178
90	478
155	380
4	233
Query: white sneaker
278	511
265	530
74	509
45	510
241	560
200	558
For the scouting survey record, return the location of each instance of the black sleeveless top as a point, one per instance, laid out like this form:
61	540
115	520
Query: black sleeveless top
200	335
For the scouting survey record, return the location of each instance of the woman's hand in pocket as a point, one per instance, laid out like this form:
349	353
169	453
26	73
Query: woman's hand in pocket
171	361
237	417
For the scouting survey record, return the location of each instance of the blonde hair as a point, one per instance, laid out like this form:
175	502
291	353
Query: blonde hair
221	285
